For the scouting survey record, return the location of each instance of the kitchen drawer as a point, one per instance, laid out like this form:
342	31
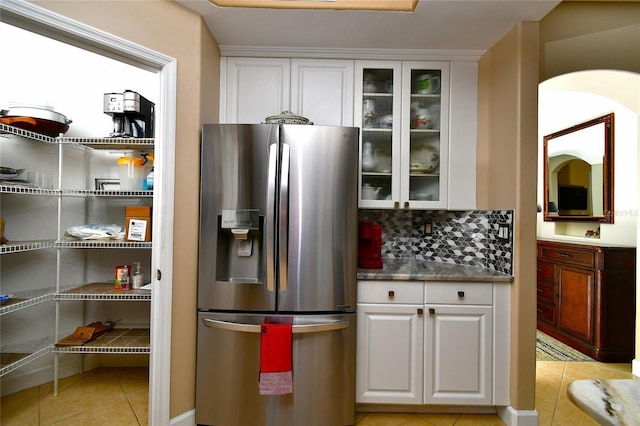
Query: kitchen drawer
578	257
459	293
546	291
390	291
545	271
546	312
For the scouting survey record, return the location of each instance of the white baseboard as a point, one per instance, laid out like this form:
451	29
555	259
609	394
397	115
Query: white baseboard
635	367
513	417
184	419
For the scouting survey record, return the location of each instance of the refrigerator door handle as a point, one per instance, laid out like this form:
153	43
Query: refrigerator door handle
271	212
296	329
283	229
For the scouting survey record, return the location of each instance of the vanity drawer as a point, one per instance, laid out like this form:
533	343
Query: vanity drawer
577	257
546	312
390	291
545	271
546	291
459	293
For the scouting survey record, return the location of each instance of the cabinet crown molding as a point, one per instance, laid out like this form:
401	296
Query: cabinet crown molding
342	53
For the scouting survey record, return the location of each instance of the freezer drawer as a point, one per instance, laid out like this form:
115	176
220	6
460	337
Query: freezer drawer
229	361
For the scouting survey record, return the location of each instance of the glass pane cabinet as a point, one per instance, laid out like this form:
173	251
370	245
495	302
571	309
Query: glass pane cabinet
404	140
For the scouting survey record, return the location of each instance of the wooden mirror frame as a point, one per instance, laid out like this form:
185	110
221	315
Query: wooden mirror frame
607	141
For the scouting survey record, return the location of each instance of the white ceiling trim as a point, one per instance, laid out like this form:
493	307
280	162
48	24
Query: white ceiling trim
348	53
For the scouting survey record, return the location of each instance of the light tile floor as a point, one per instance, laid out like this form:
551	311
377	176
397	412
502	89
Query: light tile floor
119	396
104	396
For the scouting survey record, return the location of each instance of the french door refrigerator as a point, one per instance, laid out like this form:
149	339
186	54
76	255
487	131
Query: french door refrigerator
278	245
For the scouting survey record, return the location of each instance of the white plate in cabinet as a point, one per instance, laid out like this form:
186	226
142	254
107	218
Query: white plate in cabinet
459	293
390	292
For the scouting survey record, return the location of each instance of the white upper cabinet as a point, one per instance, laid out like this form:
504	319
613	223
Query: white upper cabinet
252	89
418	136
322	90
255	88
378	114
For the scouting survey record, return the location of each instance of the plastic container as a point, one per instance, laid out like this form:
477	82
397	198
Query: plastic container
132	173
137	280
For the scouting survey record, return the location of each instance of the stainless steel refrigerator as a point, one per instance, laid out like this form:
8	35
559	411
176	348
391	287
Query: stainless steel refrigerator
278	244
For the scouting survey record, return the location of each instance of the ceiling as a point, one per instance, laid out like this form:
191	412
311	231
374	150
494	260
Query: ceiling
435	25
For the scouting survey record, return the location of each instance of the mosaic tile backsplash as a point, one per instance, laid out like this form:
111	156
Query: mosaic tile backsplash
460	237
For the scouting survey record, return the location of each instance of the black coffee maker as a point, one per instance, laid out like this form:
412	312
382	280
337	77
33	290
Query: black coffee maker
133	114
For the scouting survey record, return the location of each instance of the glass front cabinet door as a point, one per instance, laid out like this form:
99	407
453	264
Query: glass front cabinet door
404	137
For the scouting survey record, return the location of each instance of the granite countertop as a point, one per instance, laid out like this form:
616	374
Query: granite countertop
610	402
424	270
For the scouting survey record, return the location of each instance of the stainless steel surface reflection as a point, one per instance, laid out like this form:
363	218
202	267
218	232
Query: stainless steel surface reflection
323	360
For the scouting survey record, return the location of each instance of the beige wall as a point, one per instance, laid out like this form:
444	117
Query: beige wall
178	32
586	35
574	36
506	170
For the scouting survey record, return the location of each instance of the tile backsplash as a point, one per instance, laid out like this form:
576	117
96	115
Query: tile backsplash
462	237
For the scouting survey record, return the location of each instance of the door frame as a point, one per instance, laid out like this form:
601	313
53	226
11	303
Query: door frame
49	24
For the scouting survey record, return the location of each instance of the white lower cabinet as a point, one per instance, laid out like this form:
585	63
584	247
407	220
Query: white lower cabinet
426	343
458	353
390	362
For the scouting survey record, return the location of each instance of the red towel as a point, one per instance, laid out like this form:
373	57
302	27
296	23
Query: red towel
276	377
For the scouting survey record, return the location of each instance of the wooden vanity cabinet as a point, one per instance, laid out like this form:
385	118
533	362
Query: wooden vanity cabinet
586	298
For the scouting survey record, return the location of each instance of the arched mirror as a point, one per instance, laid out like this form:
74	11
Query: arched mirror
578	172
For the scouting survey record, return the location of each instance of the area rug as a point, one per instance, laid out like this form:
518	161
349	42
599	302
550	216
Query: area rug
549	349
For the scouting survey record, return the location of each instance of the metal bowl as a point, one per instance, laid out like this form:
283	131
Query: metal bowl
36	119
286	117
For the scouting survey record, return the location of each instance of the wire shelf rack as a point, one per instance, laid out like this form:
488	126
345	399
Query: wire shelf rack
24	299
20	246
105	193
16	355
5	128
101	244
20	188
104	291
119	340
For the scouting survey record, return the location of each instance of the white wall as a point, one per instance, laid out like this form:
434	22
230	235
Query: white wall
577	97
43	71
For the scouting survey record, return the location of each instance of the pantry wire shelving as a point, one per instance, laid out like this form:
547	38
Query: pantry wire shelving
18	354
126	338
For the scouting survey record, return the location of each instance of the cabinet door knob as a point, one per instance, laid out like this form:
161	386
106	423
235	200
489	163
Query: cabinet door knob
396	205
406	204
461	294
420	311
432	311
392	293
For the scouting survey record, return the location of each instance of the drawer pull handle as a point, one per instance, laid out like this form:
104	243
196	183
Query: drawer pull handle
540	290
540	310
540	269
420	311
461	294
432	311
563	255
392	293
